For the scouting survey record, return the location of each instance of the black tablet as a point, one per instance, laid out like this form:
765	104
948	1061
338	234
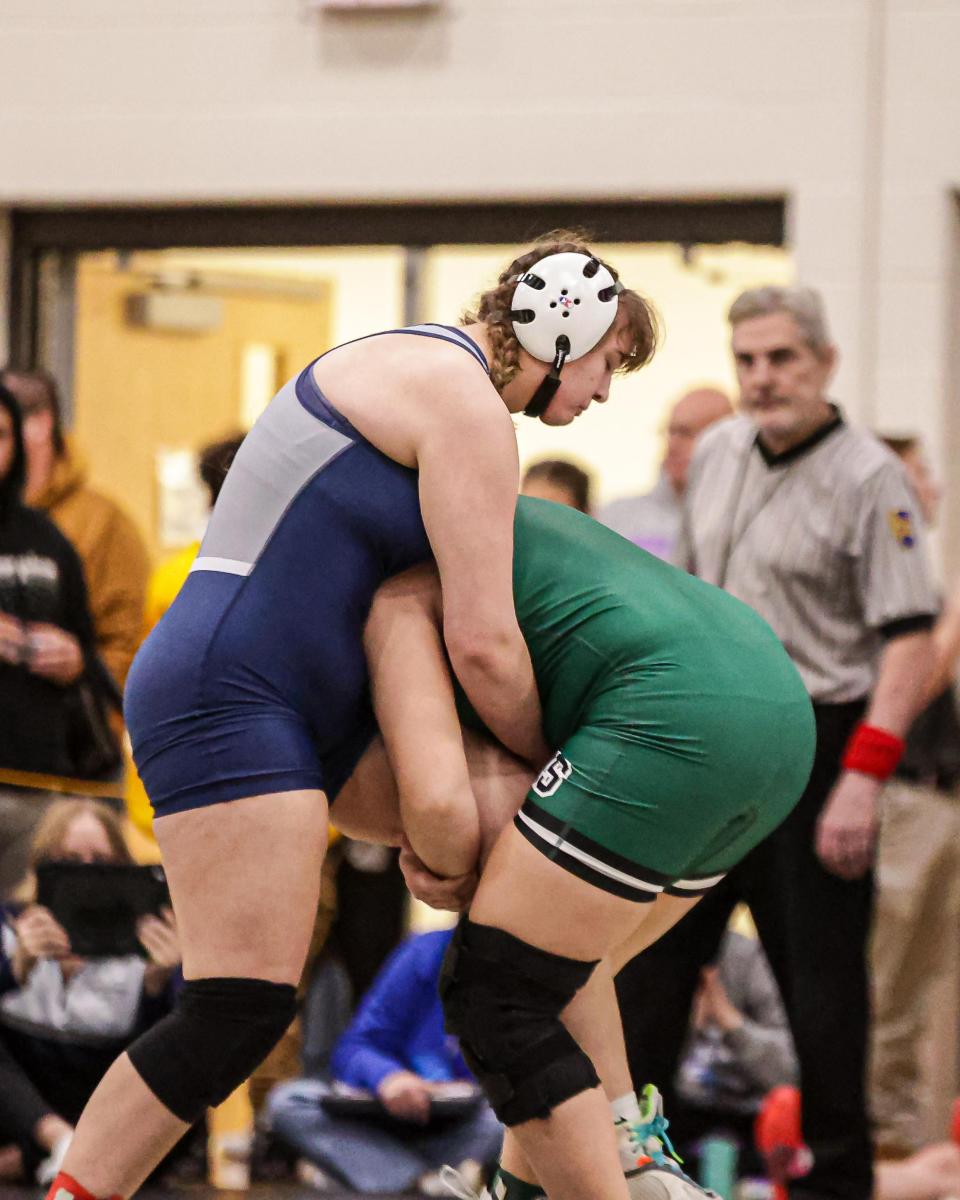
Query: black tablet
99	904
346	1101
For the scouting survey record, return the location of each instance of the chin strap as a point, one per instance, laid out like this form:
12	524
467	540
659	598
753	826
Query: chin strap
549	385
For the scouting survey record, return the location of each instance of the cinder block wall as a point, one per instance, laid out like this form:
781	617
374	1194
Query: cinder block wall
848	107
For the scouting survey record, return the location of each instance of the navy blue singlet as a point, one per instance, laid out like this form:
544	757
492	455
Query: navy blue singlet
255	679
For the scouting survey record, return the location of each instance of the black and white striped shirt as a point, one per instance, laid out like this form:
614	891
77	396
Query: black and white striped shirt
824	541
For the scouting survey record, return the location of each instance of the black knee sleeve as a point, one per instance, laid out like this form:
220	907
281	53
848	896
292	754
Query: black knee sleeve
503	999
219	1031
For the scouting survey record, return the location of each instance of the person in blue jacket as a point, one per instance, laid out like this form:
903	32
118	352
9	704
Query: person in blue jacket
417	1105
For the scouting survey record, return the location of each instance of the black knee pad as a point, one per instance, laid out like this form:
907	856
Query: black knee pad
503	998
219	1031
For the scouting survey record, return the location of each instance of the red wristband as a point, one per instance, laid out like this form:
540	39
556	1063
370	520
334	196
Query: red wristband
873	751
66	1183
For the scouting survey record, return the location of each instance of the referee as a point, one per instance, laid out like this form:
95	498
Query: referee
812	523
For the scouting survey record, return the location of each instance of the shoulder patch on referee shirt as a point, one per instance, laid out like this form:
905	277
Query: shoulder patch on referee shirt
901	526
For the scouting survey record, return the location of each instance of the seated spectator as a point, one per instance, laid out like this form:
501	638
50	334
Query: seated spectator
559	480
111	548
652	521
47	655
738	1050
64	1019
390	1133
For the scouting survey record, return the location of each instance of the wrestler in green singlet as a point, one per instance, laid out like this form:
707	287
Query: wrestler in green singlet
684	732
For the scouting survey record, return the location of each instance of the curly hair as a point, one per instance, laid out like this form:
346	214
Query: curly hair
493	308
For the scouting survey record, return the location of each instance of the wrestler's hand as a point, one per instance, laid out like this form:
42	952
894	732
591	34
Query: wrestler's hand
847	828
451	894
406	1096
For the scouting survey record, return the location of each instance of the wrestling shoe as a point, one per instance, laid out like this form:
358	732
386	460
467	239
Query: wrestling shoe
650	1163
456	1185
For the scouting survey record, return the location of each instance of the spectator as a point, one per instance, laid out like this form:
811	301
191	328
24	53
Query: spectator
113	553
167	577
396	1051
812	522
46	648
739	1048
64	1019
652	521
559	480
916	936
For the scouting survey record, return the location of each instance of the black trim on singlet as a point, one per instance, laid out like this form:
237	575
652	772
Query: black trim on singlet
583	870
619	862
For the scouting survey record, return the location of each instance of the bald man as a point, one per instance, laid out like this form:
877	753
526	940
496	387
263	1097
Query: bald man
652	521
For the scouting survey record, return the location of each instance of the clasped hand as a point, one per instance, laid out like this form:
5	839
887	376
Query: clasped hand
450	894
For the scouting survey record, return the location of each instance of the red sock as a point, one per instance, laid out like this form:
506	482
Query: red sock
65	1187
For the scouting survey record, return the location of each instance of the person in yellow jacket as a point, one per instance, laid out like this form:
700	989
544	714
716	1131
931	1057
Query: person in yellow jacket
167	577
115	560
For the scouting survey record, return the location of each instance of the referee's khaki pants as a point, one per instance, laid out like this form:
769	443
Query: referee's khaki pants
915	956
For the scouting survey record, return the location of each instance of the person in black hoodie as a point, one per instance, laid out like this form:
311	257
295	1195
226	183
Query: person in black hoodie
46	647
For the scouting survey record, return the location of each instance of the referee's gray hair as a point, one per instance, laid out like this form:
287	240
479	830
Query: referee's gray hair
804	304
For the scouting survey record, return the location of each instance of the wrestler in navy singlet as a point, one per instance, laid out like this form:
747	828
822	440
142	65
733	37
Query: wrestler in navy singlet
255	679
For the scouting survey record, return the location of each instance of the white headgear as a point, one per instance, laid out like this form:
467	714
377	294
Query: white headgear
563	306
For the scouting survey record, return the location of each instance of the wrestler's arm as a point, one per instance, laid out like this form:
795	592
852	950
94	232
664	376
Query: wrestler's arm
414	702
468	471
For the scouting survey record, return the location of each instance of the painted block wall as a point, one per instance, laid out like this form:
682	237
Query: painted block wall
849	108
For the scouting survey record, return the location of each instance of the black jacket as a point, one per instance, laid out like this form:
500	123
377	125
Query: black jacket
41	579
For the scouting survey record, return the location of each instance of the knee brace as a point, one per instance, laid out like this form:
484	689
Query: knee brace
503	998
219	1031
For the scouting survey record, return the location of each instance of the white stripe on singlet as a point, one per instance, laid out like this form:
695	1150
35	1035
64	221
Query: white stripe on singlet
229	566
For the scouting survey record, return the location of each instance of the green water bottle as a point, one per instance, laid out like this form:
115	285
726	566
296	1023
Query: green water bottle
718	1165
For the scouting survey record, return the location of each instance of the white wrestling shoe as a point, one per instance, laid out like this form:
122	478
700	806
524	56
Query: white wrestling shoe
457	1184
463	1181
649	1161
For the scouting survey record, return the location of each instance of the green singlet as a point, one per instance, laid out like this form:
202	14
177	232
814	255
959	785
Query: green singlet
684	732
